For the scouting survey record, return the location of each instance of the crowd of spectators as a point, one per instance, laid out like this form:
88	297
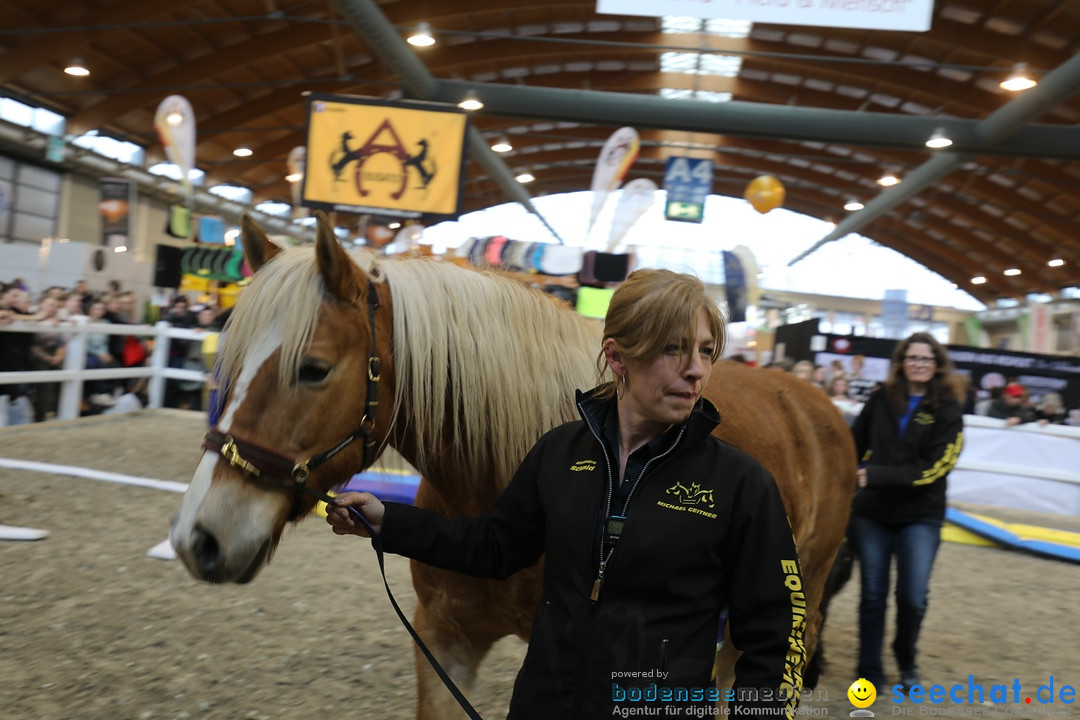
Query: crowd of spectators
1011	402
59	308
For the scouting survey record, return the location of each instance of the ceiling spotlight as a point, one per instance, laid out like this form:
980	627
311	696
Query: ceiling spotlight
1056	262
978	280
470	103
294	177
174	118
1012	271
525	177
242	151
1018	79
939	139
77	68
852	205
888	180
422	36
502	145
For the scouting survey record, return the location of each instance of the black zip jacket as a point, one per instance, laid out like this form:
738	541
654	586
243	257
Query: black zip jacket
906	474
705	530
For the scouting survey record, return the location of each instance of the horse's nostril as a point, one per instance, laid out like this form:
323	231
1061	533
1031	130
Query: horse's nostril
206	551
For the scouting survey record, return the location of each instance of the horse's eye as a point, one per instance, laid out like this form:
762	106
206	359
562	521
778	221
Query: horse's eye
313	372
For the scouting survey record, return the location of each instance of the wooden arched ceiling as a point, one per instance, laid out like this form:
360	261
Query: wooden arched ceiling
244	65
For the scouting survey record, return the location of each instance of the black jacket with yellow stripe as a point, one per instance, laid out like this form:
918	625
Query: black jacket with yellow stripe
906	473
705	529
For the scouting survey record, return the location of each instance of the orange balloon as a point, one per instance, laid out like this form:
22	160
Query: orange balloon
765	193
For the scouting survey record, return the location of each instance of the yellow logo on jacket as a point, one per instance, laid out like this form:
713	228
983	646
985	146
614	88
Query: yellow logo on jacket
924	418
583	466
690	498
692	495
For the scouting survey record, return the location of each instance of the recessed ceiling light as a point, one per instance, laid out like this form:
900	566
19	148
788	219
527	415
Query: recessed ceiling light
242	151
888	180
1018	79
525	177
502	146
1056	262
422	37
853	205
470	103
77	68
1012	271
939	139
978	280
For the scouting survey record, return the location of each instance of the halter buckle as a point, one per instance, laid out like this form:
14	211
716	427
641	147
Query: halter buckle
231	453
300	472
373	369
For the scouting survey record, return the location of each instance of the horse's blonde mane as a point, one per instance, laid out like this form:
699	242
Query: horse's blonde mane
482	363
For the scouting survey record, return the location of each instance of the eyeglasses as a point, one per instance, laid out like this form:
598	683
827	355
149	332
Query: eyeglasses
916	360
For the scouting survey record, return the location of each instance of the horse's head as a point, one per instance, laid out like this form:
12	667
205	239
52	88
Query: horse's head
304	366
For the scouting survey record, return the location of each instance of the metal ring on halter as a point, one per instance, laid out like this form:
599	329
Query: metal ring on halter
367	429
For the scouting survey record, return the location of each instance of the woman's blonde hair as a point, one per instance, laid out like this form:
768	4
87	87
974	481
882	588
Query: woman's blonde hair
650	309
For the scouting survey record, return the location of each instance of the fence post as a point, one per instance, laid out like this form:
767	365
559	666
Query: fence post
159	360
71	391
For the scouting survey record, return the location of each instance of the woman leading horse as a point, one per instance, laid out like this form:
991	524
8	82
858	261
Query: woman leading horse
461	372
639	569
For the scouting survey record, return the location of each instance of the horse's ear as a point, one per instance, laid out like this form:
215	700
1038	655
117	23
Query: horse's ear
258	250
340	274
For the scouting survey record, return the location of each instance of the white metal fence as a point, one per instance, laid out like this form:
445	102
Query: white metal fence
75	372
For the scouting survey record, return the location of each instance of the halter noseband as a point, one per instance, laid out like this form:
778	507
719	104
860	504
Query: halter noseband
258	462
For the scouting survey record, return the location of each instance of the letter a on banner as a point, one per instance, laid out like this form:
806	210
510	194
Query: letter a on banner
175	125
616	157
368	155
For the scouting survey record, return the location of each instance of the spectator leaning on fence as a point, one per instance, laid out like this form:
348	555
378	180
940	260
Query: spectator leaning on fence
47	352
98	356
1051	410
1010	406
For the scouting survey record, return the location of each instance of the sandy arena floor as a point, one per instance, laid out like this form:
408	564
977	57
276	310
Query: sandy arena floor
90	627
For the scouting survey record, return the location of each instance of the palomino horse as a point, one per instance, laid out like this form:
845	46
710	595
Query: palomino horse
461	372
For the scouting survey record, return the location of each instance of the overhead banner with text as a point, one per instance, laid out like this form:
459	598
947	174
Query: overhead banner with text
911	15
368	155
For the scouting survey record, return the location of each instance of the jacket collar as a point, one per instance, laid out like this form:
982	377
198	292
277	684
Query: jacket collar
702	421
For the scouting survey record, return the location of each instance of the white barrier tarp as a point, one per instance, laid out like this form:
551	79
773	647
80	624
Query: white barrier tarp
1023	467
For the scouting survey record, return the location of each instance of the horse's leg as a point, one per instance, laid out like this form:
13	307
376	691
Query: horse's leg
839	574
460	618
458	649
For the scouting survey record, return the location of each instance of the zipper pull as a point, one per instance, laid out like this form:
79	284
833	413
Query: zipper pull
595	594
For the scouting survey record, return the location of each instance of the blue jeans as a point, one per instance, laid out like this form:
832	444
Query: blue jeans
915	546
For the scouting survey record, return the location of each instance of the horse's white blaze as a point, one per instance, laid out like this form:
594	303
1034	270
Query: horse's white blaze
240	521
258	354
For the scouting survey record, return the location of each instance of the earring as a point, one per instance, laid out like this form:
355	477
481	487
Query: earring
622	379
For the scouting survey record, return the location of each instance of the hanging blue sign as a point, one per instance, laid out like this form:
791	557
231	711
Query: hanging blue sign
687	181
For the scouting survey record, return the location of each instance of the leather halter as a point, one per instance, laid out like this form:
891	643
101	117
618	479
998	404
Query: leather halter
257	462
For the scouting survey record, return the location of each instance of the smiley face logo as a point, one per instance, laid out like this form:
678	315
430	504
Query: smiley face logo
862	693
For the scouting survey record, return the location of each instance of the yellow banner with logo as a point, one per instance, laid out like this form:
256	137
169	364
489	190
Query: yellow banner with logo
369	155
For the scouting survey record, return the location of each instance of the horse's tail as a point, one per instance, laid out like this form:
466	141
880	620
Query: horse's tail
839	575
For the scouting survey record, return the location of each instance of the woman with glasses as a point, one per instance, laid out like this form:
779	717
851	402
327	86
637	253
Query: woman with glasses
907	437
